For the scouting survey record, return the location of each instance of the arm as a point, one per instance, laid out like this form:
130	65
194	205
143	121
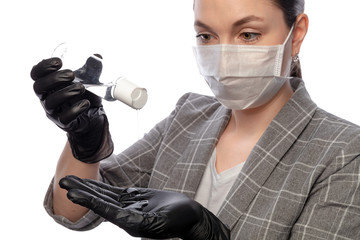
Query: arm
67	164
81	115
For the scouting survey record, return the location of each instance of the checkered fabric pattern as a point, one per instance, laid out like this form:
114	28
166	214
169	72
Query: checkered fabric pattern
301	180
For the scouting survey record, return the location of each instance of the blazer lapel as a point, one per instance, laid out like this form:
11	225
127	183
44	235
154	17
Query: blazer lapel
188	171
275	142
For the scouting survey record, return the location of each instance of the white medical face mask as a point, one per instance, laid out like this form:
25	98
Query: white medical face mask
242	76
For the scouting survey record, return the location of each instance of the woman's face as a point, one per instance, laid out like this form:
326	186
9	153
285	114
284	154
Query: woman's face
246	22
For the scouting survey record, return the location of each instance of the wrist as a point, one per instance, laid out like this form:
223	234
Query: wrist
209	227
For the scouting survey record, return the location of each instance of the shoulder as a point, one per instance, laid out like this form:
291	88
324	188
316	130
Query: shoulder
319	128
330	142
194	104
336	128
195	113
198	100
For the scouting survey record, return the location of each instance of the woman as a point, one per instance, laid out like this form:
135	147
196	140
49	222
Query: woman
261	156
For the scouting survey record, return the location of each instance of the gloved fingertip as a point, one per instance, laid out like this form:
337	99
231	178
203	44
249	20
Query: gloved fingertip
64	183
77	197
67	182
68	74
84	105
45	67
56	62
82	88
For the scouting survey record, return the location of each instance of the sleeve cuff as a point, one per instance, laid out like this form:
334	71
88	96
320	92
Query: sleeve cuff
89	221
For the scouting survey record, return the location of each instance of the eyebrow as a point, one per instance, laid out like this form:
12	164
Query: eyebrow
240	22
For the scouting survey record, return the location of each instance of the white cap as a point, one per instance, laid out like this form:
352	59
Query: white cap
130	94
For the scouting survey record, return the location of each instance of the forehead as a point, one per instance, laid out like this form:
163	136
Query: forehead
265	9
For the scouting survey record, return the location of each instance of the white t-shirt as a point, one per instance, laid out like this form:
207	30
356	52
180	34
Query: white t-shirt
214	187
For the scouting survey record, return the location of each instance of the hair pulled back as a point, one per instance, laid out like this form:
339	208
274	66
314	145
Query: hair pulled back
291	9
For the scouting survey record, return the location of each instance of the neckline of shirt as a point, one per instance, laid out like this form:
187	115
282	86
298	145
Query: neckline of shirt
224	175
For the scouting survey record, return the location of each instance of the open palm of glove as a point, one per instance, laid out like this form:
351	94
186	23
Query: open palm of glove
146	212
75	110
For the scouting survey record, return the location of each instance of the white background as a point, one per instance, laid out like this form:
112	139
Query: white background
150	43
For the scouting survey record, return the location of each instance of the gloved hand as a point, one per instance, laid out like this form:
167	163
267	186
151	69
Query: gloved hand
145	212
78	112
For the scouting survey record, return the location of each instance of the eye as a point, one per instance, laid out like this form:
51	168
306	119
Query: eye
204	38
249	36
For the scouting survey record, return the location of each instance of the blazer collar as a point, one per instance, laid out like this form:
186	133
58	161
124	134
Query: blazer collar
268	152
187	173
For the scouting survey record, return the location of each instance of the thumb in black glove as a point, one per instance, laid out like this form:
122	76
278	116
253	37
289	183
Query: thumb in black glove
75	110
145	212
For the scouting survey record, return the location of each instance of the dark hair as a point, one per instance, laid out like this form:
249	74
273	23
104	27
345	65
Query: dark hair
291	9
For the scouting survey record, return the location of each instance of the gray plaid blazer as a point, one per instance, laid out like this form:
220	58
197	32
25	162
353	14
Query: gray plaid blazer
301	180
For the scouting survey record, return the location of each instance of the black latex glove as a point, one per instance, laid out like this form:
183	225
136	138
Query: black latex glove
146	212
75	110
